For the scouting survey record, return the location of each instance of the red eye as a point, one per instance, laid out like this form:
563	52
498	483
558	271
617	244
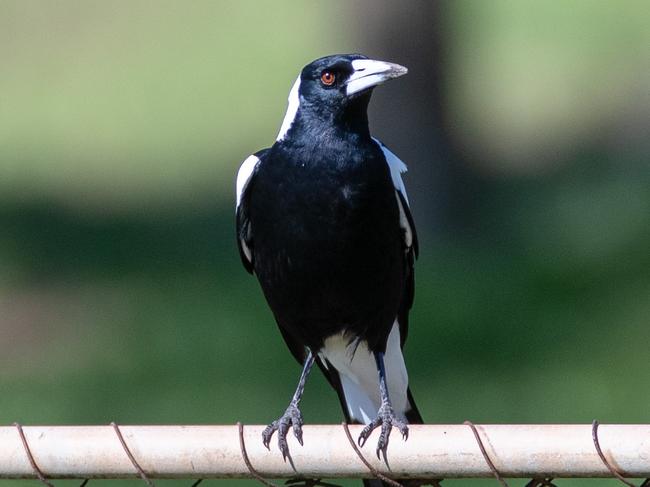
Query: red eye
327	78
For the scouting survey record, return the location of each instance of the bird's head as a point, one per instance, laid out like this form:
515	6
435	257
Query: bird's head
337	88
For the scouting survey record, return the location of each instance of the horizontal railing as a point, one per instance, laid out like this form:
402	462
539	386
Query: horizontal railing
431	452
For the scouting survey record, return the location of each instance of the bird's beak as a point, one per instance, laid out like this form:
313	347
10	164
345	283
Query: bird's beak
369	73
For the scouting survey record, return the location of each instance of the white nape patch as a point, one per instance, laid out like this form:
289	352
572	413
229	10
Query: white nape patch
360	378
292	109
244	175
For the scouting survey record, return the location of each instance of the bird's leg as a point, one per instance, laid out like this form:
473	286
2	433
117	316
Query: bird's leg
385	417
291	417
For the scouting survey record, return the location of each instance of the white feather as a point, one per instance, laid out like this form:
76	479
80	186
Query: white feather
404	222
397	168
244	175
243	178
360	378
292	109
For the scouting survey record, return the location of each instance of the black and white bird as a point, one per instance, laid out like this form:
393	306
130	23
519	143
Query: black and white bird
323	221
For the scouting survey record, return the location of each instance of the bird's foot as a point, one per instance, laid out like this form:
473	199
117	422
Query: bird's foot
387	418
292	417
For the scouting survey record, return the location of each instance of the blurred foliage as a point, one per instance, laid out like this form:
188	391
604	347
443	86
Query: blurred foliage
527	78
125	103
121	293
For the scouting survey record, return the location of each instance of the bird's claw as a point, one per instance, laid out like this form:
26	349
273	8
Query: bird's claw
292	417
386	418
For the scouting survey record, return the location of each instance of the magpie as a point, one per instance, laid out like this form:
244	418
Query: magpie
323	222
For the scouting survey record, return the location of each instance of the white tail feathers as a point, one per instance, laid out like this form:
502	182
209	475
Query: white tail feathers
359	376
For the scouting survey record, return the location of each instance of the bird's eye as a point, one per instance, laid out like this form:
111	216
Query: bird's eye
328	78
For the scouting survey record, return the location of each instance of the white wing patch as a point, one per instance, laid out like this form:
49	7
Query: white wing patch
404	222
243	178
397	168
292	109
244	175
359	377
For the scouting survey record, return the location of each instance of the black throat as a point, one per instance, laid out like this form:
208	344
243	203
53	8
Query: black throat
322	121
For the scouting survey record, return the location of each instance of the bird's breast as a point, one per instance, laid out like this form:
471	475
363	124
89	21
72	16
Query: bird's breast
327	241
322	205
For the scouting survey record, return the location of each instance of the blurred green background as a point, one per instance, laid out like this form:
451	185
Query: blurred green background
526	127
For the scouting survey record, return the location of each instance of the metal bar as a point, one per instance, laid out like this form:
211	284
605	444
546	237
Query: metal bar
431	451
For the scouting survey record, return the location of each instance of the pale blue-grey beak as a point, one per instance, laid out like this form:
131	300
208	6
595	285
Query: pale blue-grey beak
369	73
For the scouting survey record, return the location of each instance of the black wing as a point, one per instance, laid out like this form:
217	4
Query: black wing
245	185
412	251
411	247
